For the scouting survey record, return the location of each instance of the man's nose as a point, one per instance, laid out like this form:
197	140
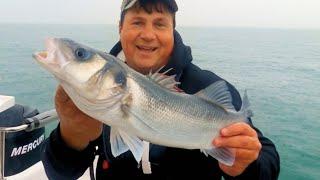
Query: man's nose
148	33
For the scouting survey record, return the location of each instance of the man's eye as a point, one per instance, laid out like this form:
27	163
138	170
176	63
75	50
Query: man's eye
137	23
160	25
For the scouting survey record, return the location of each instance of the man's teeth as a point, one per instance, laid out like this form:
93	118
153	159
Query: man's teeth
147	48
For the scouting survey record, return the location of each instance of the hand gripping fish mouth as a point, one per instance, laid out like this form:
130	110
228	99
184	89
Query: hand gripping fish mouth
51	56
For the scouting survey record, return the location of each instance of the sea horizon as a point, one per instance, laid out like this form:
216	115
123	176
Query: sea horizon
182	26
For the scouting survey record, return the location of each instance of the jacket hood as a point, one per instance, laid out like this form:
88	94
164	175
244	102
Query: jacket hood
181	56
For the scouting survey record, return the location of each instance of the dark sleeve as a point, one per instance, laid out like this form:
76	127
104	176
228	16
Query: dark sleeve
267	166
61	162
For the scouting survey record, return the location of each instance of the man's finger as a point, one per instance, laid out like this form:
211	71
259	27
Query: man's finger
238	129
245	155
64	104
61	95
243	142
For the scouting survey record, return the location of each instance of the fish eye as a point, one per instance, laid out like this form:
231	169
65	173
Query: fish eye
82	54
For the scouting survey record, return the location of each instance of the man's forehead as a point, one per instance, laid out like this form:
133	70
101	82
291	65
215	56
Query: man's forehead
141	13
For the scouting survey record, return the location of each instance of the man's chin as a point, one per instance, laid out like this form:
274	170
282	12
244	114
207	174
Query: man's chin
146	68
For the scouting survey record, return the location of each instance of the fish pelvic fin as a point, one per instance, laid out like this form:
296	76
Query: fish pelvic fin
219	94
118	146
223	155
121	142
164	80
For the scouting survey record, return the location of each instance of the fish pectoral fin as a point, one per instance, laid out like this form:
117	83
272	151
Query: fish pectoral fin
126	99
121	142
223	155
217	93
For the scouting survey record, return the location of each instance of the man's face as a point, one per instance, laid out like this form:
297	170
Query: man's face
147	39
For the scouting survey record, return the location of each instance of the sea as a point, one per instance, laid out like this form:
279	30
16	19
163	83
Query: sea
279	68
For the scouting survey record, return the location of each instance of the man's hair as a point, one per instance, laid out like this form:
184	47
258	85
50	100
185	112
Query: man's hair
150	6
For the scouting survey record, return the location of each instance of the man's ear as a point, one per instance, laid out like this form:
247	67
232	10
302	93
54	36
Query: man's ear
120	27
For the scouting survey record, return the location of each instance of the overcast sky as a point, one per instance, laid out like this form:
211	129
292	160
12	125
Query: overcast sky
243	13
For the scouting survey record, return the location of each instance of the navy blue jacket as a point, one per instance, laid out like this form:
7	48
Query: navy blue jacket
62	162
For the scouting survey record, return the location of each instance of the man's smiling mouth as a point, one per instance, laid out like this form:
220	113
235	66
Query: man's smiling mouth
146	48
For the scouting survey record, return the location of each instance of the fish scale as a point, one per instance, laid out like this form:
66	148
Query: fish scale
190	125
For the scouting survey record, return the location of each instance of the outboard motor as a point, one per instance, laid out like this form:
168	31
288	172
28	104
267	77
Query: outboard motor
22	148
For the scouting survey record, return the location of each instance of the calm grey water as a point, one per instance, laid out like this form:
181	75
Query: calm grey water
279	68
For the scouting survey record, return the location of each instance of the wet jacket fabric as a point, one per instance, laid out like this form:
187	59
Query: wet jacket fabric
62	162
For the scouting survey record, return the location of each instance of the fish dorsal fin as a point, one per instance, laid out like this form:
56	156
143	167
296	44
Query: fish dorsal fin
164	80
121	142
217	93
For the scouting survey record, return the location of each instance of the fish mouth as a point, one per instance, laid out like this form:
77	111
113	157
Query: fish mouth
49	57
46	55
40	56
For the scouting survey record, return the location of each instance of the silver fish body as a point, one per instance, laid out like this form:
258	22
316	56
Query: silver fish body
139	107
175	119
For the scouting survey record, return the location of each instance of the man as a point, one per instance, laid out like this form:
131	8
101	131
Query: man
148	40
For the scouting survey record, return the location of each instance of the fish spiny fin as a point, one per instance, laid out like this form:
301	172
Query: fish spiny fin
217	93
164	80
121	142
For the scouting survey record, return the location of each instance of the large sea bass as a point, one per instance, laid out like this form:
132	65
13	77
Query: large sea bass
139	107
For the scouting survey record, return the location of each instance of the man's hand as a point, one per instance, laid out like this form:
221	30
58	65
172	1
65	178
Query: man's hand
77	129
242	138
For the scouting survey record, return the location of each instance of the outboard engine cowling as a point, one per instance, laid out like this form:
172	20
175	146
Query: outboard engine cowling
22	149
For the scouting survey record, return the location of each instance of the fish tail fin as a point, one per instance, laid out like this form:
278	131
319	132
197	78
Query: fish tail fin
223	155
245	106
